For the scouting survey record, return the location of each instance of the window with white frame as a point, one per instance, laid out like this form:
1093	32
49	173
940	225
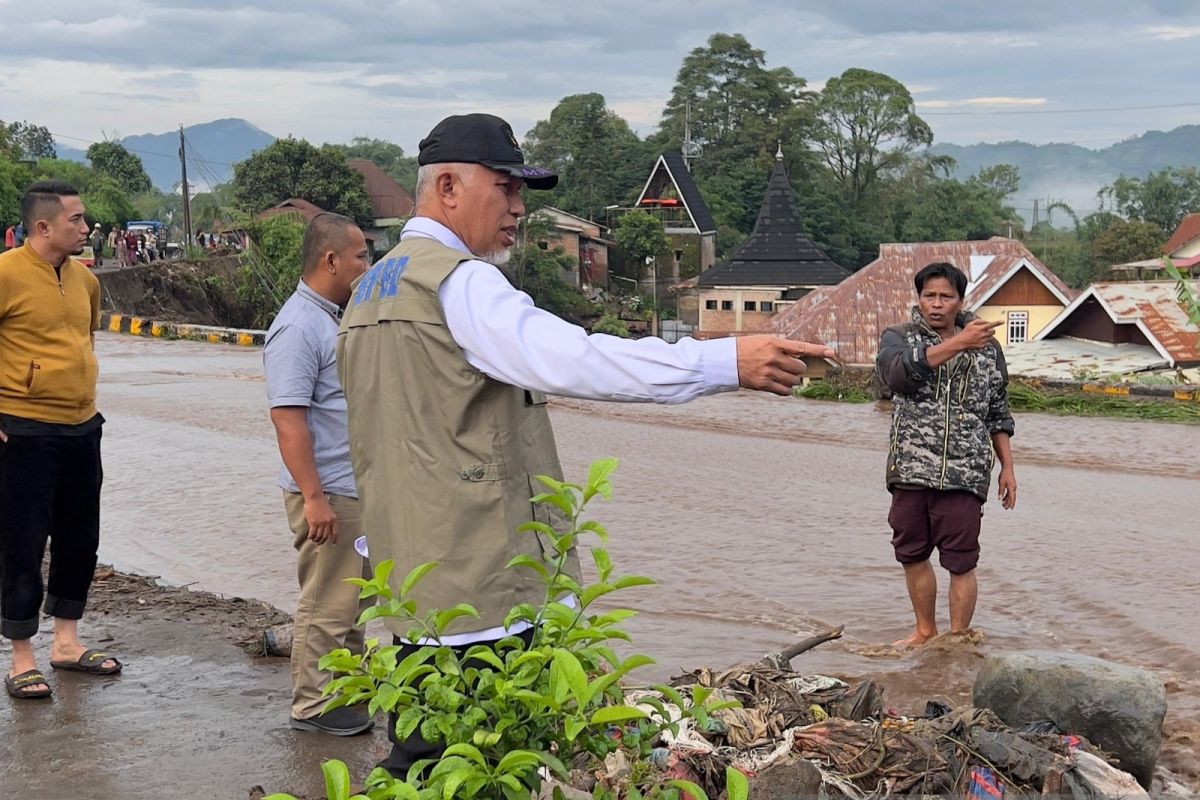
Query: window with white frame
1018	326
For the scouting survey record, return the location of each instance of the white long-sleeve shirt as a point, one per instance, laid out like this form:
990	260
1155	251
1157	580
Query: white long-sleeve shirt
509	339
506	337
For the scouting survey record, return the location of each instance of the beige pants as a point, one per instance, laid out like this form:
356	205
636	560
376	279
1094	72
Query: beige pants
328	607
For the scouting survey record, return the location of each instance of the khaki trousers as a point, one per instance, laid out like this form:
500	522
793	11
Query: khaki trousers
328	608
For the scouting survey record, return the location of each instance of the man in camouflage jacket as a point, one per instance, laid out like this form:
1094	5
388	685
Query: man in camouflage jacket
950	422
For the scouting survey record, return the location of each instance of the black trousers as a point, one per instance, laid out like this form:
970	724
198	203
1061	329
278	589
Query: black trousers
49	489
413	749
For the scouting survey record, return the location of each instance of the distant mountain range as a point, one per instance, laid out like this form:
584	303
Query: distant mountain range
213	149
1065	172
1074	174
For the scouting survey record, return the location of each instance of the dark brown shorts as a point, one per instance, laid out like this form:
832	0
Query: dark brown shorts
923	519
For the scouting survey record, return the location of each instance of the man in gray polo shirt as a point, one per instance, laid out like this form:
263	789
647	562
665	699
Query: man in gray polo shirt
308	410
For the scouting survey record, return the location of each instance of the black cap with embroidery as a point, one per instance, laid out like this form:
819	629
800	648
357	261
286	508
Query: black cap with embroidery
482	139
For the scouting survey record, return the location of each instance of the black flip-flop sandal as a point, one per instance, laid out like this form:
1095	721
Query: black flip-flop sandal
91	662
21	686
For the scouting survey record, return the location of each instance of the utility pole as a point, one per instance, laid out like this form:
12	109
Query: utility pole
690	150
187	203
654	289
1046	230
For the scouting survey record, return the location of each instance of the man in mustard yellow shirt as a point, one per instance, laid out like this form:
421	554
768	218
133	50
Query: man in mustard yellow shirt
50	469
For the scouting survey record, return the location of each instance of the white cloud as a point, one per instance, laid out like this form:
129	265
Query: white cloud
991	102
308	68
1171	33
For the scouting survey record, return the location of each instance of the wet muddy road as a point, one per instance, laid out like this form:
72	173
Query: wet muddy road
763	519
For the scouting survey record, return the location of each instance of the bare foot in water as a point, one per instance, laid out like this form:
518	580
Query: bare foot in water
915	639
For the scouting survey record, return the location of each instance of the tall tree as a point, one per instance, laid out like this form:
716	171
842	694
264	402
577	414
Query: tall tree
1001	180
25	141
108	203
600	160
867	126
1124	241
953	211
640	236
78	175
388	156
294	168
13	180
216	207
1161	198
736	102
739	112
113	160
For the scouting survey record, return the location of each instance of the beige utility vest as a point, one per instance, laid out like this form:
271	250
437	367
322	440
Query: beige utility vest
444	456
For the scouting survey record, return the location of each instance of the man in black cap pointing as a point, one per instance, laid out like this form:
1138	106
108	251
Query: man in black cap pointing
446	368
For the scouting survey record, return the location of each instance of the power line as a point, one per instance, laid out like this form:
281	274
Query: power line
1053	110
250	257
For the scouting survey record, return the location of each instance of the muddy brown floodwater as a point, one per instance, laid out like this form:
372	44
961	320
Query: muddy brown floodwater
763	519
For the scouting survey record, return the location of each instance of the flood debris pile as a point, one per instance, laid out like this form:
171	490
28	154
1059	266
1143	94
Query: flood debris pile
239	619
799	735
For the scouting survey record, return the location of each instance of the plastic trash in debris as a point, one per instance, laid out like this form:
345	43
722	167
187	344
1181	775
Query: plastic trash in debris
984	785
935	709
809	684
360	546
1085	775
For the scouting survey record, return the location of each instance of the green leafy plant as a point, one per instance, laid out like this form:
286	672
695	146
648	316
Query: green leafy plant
513	714
271	268
611	324
1185	292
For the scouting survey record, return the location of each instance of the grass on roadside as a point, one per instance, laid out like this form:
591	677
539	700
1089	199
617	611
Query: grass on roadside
1027	397
823	390
1023	397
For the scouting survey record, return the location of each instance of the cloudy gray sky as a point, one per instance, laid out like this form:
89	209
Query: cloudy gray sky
980	71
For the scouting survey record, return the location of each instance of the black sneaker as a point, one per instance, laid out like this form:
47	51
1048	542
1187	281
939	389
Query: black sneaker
338	722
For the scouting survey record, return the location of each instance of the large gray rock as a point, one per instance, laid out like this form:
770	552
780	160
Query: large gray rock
1118	708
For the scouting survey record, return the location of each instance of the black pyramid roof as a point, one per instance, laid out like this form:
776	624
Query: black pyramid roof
777	252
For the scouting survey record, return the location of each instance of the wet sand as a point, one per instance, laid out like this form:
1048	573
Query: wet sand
764	519
190	716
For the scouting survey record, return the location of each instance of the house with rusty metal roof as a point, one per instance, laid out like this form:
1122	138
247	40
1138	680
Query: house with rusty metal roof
303	212
1115	328
777	264
1184	244
1006	284
391	203
297	207
1183	248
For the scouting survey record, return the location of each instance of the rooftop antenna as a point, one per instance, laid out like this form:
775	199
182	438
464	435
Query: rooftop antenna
691	150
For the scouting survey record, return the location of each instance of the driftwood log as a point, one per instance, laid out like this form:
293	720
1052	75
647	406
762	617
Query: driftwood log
783	659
